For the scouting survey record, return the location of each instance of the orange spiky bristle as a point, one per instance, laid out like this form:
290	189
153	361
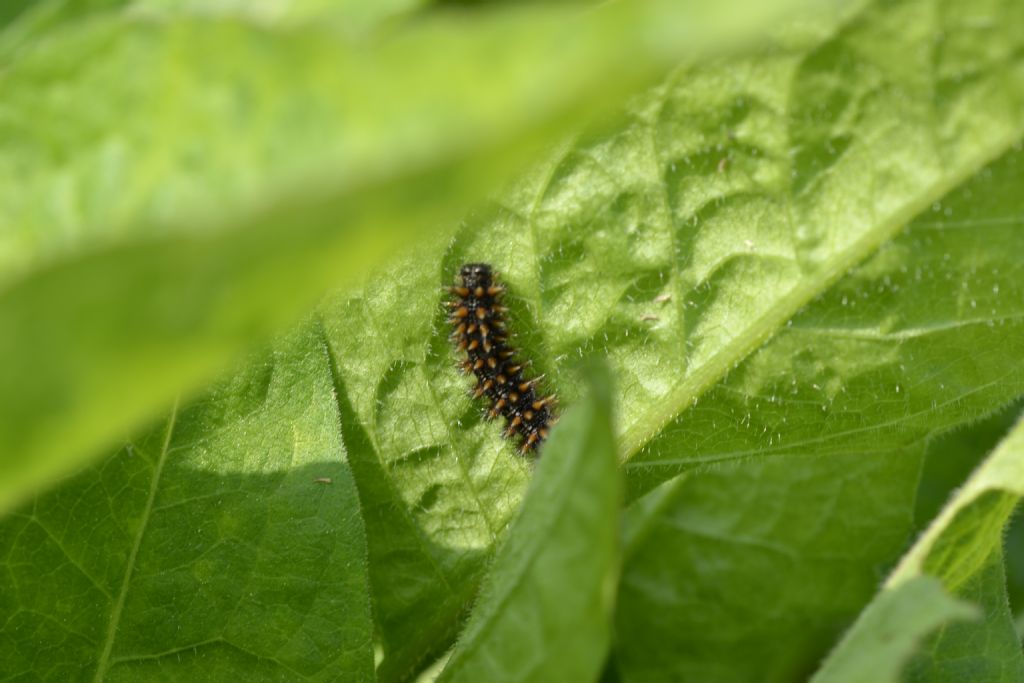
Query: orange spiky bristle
478	319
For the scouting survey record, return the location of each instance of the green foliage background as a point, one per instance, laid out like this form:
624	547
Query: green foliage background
768	255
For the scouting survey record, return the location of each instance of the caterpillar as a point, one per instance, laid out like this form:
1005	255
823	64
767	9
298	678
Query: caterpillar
478	316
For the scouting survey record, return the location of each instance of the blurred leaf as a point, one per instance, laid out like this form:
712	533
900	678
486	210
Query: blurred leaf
232	171
889	631
350	17
544	612
11	10
1014	551
962	549
225	544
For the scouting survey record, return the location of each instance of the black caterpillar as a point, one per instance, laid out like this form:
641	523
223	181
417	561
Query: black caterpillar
479	320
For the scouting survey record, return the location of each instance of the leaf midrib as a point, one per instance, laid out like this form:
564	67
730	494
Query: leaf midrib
673	404
115	614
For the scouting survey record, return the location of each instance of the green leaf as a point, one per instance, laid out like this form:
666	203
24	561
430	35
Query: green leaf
655	244
224	543
959	541
437	484
10	11
831	152
810	253
232	171
852	383
352	17
544	612
769	558
950	459
978	650
889	631
962	550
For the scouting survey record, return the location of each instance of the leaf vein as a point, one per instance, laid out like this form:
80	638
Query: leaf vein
115	616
